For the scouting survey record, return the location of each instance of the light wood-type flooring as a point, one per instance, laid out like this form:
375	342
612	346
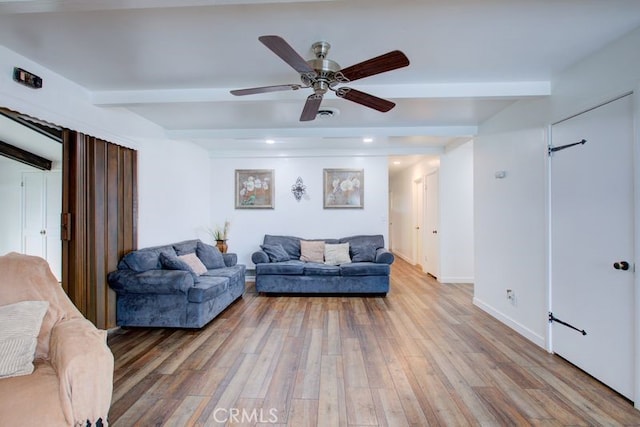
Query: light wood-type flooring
424	355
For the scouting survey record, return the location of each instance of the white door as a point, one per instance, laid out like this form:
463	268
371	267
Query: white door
432	221
41	208
592	226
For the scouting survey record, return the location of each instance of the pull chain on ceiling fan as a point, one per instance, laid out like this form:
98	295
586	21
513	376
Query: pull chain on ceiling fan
322	74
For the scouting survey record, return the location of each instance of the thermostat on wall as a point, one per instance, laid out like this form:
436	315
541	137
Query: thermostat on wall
26	78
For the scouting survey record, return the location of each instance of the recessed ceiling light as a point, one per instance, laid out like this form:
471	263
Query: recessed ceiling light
270	141
367	140
396	162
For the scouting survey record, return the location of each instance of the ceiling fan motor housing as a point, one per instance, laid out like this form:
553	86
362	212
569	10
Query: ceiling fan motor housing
325	69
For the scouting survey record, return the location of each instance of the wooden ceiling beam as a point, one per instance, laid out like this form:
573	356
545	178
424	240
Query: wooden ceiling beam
20	155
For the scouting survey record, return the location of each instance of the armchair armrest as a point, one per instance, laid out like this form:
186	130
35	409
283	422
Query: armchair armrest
230	259
84	364
383	256
259	257
150	281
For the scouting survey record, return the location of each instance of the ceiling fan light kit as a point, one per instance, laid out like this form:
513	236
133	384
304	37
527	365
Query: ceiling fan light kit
322	74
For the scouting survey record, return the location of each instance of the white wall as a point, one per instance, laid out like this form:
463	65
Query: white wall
174	192
510	229
306	218
173	176
511	213
456	215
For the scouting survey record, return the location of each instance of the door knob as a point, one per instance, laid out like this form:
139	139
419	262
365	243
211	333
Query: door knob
434	232
622	265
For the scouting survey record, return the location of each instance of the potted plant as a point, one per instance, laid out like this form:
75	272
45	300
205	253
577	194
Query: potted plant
220	235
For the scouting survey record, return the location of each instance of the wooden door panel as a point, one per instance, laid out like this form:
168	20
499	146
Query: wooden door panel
100	195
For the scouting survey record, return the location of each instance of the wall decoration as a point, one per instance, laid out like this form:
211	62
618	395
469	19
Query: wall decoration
298	189
254	189
343	188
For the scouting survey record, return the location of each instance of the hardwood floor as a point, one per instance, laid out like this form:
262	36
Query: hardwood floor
424	355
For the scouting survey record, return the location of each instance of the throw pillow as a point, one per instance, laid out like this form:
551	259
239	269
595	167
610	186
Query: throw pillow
21	324
312	251
210	256
336	254
363	253
194	262
171	262
276	253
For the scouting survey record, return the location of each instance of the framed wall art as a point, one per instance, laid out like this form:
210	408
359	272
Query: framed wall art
254	189
343	188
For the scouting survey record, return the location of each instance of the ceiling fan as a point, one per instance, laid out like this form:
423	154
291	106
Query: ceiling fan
322	74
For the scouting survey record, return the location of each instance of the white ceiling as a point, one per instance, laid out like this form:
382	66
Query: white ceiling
173	62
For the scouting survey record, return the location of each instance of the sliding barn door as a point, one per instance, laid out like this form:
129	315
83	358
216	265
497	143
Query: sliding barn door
592	253
99	220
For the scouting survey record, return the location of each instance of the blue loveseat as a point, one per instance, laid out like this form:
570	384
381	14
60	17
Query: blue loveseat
182	285
280	269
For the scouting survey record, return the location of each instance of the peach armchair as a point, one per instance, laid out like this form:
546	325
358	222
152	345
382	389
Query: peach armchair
72	380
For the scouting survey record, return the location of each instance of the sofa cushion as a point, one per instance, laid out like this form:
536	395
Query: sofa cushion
365	252
364	269
315	269
276	253
336	254
210	256
290	244
21	324
186	247
234	270
293	267
312	250
172	262
193	262
207	288
148	258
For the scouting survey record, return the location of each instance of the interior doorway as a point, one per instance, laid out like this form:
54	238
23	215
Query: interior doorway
30	189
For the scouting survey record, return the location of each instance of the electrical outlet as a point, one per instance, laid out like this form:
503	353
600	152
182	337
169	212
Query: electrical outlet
511	296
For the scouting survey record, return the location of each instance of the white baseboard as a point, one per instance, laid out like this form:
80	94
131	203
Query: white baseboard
453	279
522	330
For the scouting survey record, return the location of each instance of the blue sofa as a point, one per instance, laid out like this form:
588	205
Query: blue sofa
282	271
158	286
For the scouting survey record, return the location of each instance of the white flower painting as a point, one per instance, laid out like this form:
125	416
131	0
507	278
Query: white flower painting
343	188
254	189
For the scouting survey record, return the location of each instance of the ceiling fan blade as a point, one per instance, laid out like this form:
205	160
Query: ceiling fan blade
311	107
365	99
380	64
265	89
281	48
